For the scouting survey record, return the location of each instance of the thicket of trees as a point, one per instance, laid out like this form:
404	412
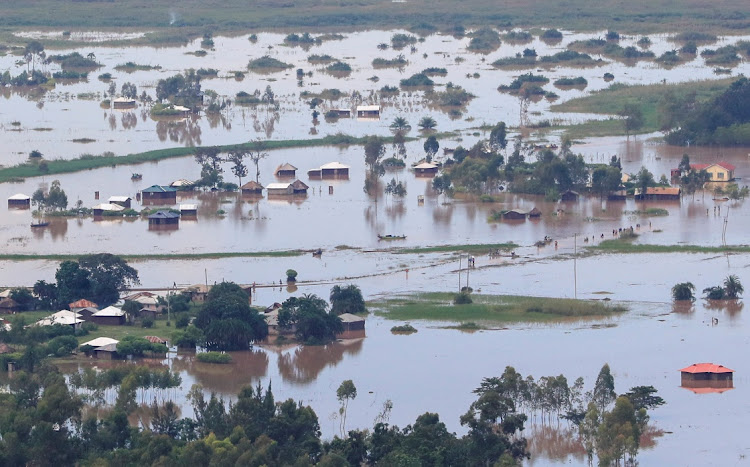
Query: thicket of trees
227	321
308	315
724	119
181	89
98	278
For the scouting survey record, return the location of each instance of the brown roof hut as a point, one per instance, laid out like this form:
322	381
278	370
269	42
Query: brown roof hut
157	194
354	326
535	212
426	169
9	306
19	201
569	195
286	170
706	375
515	214
252	188
660	193
299	188
82	303
123	201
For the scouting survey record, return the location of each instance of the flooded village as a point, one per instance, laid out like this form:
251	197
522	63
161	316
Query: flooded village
532	233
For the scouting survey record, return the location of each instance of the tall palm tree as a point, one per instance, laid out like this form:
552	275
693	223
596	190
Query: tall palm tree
427	123
733	287
400	124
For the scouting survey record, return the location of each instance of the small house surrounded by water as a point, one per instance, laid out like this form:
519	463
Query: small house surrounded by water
710	375
371	111
426	169
330	170
252	188
535	212
286	170
101	209
189	211
158	194
160	218
123	201
515	214
659	193
279	189
718	172
123	103
299	188
354	326
569	195
19	201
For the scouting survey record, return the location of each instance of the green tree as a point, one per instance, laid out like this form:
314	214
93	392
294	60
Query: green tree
347	299
56	198
733	287
431	147
33	50
291	275
684	166
129	90
227	321
498	137
442	184
256	153
374	152
618	434
239	169
427	124
683	291
644	179
604	388
605	180
345	393
400	124
643	397
715	293
73	283
632	118
309	315
109	275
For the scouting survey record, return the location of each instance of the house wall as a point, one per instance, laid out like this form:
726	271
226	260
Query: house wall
719	174
108	320
19	204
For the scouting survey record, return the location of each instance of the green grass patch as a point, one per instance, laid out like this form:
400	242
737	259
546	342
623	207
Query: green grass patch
612	100
162	256
437	306
475	248
213	357
159	329
89	162
625	246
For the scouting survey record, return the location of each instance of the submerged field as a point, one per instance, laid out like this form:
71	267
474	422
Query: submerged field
491	309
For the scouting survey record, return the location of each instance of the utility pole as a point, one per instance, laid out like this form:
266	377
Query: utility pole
459	273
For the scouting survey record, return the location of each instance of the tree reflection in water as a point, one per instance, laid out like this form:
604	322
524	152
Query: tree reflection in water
186	131
245	369
732	308
304	364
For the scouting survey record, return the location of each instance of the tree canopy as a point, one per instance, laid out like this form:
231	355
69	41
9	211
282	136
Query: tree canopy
311	319
227	320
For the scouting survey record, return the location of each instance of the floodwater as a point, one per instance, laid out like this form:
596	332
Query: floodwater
51	121
435	369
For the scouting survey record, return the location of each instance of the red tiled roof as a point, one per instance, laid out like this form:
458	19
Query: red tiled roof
725	165
83	303
155	340
706	368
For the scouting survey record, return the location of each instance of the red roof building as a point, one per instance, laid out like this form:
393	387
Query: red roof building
82	303
706	376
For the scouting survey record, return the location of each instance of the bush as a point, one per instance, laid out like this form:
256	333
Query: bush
291	275
62	345
182	321
404	329
419	79
147	323
90	327
551	34
214	357
267	62
683	291
580	81
462	298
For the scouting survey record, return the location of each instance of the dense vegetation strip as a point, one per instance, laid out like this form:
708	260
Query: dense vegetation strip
624	246
158	256
94	162
438	306
423	15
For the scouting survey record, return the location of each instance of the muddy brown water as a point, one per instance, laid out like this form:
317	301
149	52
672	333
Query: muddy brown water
435	369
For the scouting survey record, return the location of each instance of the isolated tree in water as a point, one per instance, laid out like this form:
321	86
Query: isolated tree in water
346	392
683	291
604	389
347	299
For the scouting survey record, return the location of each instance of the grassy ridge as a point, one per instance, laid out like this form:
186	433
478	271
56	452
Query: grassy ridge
624	246
437	306
474	248
610	101
634	16
166	256
95	162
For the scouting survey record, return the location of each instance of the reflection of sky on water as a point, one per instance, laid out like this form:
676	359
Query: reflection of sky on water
52	121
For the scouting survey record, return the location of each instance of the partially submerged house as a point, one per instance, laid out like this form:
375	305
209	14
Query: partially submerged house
659	193
619	195
123	201
252	188
159	194
123	103
181	183
189	211
19	201
106	209
286	170
515	214
535	213
110	316
299	188
426	169
354	326
718	172
163	219
330	170
368	111
569	195
706	375
279	189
